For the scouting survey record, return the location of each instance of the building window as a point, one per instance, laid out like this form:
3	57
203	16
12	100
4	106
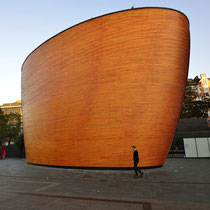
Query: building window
206	90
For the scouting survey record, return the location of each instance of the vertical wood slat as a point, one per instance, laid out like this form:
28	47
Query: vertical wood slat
94	90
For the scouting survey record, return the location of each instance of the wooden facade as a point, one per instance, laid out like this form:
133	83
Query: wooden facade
94	90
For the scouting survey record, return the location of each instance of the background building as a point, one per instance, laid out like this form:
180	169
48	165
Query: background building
196	100
15	107
11	129
193	129
204	84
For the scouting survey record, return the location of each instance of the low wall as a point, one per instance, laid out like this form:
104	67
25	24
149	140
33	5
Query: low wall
12	151
189	128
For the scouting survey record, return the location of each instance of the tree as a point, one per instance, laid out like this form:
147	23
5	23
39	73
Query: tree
19	142
3	128
14	125
195	105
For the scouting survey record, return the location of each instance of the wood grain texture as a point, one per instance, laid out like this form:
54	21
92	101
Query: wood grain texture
94	90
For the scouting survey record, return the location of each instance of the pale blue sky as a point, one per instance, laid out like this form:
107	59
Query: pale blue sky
25	24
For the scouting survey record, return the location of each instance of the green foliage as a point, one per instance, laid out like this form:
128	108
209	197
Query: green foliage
19	142
10	126
14	125
195	105
3	128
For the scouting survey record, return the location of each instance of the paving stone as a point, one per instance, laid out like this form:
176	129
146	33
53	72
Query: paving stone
179	184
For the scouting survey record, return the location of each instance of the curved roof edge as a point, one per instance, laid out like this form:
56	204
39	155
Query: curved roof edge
99	17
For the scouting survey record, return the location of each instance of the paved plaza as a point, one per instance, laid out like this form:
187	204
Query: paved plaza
179	184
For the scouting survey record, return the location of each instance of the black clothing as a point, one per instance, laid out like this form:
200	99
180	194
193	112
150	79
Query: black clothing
136	169
136	156
136	161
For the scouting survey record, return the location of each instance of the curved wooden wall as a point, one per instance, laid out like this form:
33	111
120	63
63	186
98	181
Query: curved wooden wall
94	90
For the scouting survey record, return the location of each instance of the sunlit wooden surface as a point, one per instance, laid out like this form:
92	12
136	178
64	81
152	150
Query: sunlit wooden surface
94	90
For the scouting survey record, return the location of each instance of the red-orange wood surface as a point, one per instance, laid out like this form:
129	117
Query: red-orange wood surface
94	90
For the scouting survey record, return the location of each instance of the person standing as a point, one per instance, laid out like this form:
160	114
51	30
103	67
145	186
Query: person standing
136	161
3	152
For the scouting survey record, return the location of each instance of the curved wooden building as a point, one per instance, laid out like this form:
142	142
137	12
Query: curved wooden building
94	90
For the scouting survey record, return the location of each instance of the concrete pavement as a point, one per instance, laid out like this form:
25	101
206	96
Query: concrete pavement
179	184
